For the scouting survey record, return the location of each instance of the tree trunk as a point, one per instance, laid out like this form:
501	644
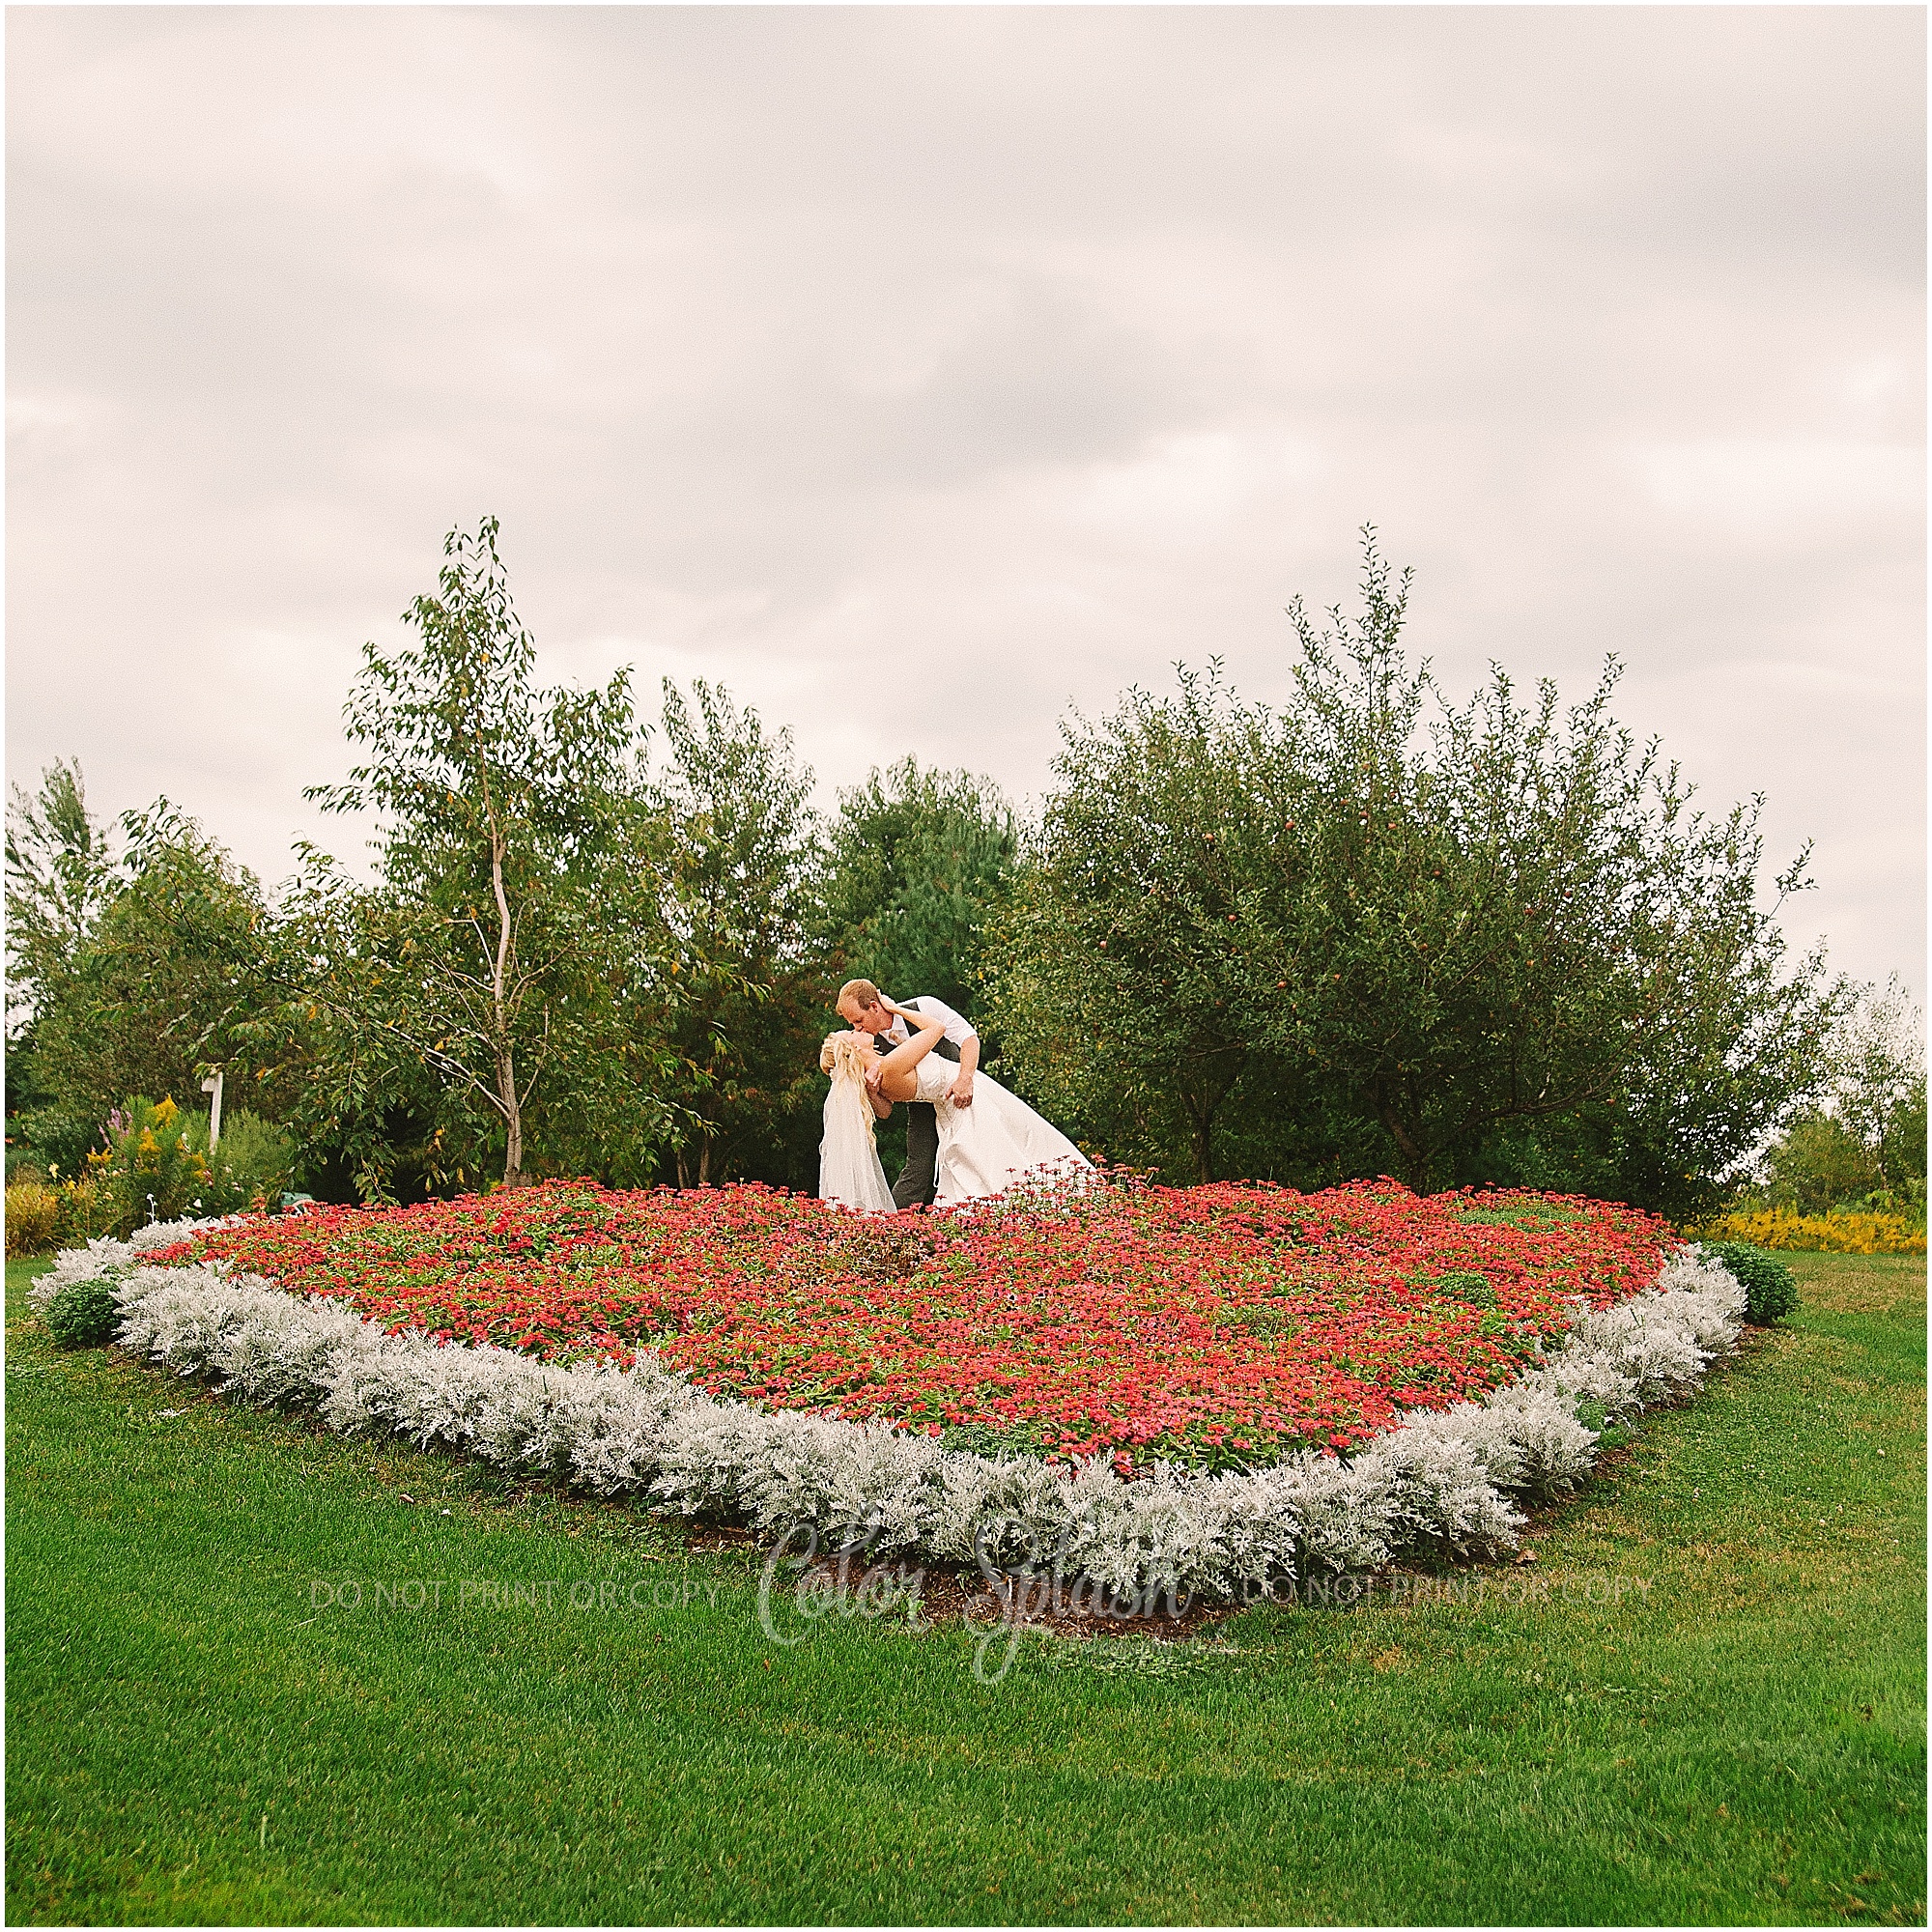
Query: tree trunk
499	975
1219	1069
1414	1156
1201	1112
513	1121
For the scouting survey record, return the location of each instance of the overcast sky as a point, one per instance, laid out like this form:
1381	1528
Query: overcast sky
1005	354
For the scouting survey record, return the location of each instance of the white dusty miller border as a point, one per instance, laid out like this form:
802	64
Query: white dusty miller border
1451	1479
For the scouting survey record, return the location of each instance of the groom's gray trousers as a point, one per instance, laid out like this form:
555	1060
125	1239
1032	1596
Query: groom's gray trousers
919	1178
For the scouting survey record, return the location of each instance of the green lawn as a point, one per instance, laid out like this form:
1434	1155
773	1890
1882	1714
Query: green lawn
1703	1703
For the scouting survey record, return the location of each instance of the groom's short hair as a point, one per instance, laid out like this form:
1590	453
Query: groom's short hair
862	992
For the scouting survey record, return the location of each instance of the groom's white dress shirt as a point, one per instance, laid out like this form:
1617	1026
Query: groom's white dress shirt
957	1029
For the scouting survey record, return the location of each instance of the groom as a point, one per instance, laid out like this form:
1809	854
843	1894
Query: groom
861	1007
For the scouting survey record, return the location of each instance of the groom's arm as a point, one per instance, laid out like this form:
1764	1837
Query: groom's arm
968	1062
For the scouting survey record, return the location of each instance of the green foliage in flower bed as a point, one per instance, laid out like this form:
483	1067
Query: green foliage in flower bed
1524	1211
83	1314
1771	1289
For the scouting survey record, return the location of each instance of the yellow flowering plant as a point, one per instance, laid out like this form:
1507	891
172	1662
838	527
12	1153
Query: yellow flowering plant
148	1171
1839	1231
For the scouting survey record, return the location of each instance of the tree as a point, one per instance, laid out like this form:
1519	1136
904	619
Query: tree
494	951
1514	916
1440	938
1115	988
1878	1083
1866	1134
743	858
917	860
61	876
139	971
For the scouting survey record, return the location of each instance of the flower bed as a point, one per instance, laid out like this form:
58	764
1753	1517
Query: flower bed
1442	1481
1211	1326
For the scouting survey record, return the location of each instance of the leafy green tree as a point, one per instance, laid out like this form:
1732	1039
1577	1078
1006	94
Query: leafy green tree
140	975
498	957
917	861
1865	1138
740	903
1116	982
1435	936
1877	1087
1514	916
61	876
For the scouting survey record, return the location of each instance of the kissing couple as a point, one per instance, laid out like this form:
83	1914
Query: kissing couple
966	1135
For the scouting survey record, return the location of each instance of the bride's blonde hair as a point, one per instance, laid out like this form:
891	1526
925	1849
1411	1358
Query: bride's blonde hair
847	1056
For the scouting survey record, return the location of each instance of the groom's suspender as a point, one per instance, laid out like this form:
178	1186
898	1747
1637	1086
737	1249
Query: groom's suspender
943	1046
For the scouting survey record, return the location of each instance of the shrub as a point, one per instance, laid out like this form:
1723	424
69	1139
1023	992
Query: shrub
32	1216
59	1136
84	1314
1819	1164
1771	1289
148	1171
82	1211
252	1165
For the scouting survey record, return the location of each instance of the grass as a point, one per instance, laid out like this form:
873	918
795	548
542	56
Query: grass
1703	1703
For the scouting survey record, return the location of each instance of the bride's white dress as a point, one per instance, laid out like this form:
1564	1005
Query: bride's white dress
982	1148
849	1169
987	1146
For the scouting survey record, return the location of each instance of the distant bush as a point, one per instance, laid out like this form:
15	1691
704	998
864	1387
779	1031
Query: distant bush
84	1314
253	1164
1841	1232
1771	1289
81	1210
32	1216
148	1171
58	1137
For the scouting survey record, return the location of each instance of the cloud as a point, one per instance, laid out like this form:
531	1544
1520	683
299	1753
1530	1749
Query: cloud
921	371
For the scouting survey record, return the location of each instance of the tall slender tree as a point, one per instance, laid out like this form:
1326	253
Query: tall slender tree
61	876
487	951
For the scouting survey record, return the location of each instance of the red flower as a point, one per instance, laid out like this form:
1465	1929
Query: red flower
1219	1325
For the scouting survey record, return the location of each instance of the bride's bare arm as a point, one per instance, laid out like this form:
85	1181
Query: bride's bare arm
897	1065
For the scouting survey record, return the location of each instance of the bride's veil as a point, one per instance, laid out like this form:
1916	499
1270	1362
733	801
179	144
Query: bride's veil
849	1171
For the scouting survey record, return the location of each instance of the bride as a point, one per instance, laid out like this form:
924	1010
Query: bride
982	1148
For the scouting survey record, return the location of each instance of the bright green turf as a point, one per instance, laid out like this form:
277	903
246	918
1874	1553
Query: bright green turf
190	1739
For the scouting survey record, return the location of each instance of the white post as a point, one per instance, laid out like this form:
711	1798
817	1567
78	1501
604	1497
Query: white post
213	1085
